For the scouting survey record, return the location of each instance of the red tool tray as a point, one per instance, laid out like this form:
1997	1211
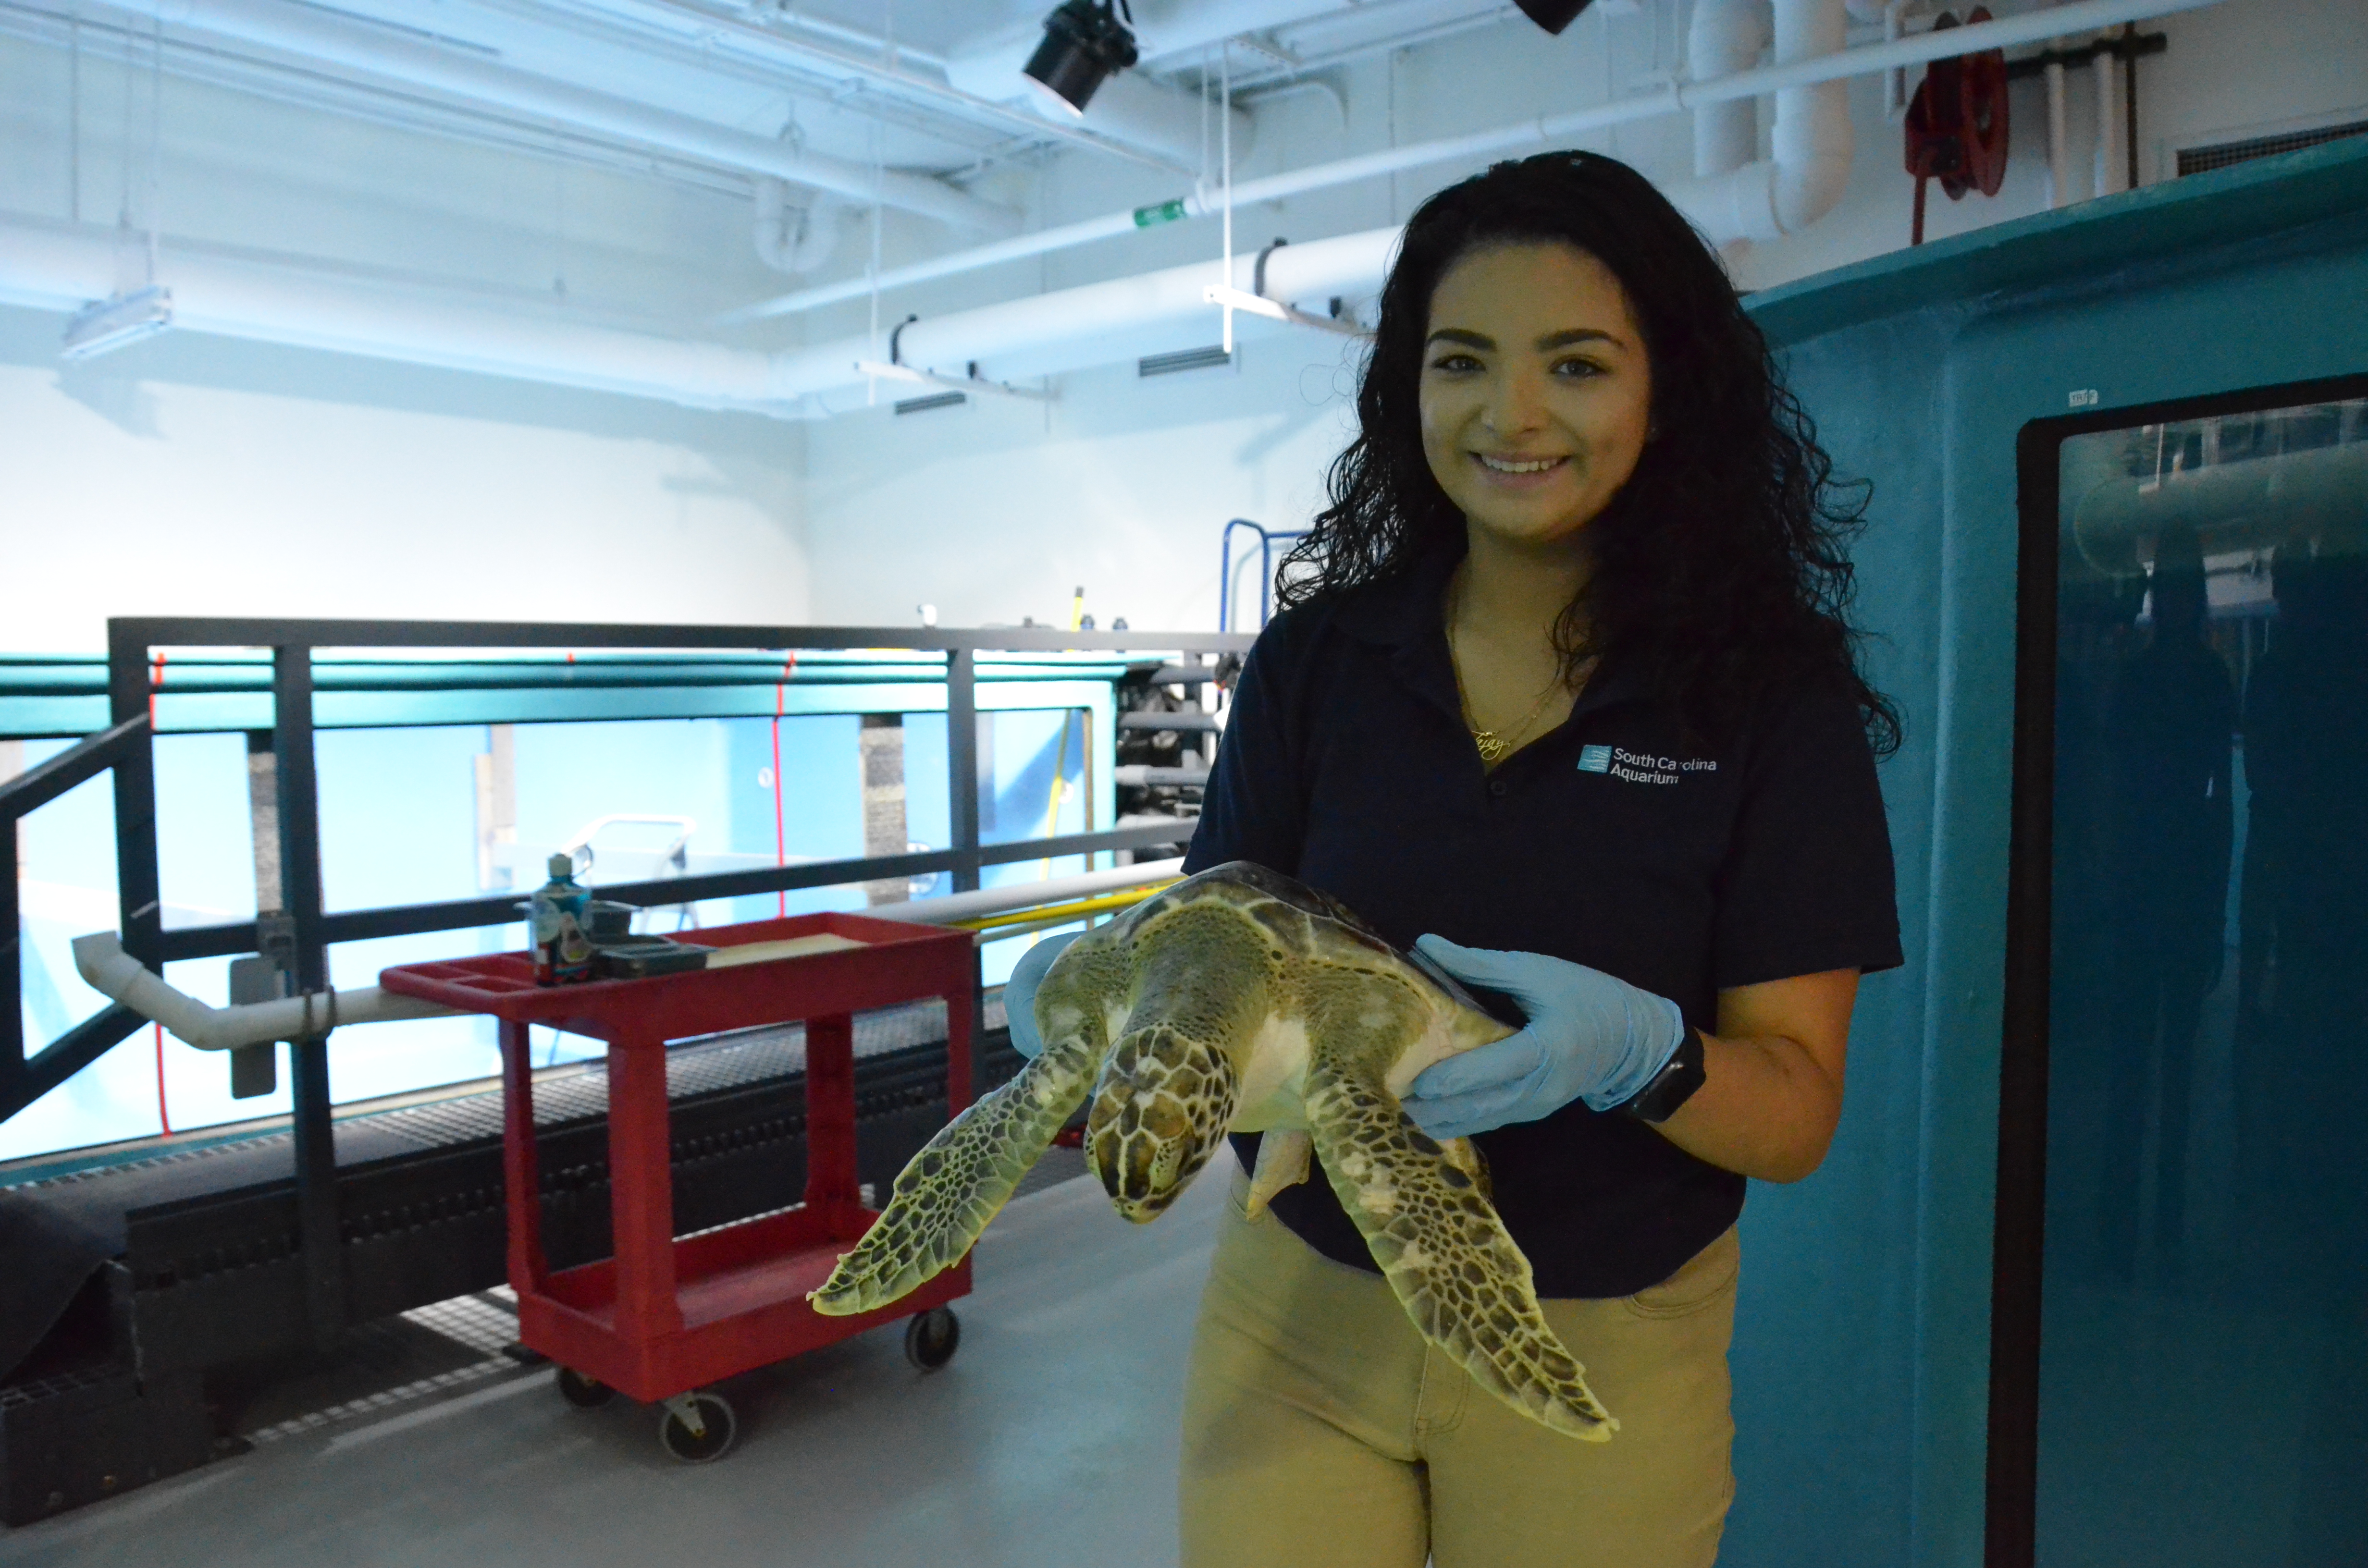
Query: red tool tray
664	1315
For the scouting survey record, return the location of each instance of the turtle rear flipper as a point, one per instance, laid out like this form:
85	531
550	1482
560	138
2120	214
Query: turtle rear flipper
1445	1253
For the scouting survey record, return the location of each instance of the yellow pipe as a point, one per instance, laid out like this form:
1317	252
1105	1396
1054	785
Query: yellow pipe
1076	911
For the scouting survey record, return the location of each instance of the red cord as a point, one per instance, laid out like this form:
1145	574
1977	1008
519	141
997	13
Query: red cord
162	1119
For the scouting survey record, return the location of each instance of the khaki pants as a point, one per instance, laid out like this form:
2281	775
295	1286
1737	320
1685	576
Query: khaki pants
1320	1428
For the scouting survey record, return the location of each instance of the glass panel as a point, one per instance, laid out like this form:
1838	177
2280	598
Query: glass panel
2205	1343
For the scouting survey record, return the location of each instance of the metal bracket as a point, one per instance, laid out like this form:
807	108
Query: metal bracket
683	1408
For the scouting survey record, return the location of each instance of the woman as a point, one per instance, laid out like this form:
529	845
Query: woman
1562	689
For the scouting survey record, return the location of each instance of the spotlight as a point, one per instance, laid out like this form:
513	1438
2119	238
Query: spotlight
1084	44
1552	14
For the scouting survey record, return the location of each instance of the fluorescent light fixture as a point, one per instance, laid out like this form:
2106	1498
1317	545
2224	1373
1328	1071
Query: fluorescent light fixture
1084	44
1275	310
110	325
886	371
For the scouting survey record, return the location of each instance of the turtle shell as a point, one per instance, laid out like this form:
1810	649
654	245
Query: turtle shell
1324	906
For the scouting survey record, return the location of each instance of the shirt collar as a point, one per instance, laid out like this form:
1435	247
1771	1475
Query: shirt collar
1404	613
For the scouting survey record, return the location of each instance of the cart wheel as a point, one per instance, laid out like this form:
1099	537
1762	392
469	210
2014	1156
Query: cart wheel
714	1439
932	1338
582	1392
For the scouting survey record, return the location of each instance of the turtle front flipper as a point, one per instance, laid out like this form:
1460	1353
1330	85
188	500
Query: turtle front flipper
946	1193
1440	1244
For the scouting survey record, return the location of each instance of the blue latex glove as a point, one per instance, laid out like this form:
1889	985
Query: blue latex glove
1019	991
1590	1037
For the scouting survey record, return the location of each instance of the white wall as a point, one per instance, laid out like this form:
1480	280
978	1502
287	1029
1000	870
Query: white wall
195	477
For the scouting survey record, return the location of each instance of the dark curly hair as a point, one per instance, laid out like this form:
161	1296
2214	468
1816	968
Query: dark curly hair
1721	566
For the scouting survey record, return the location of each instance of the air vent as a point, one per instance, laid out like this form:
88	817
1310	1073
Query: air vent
935	399
2196	160
1207	358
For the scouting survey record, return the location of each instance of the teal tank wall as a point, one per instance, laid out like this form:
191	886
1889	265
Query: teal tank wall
1863	1343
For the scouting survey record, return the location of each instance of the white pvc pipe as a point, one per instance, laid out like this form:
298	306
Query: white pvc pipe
2112	149
107	969
1725	37
2029	26
2059	159
314	34
1811	142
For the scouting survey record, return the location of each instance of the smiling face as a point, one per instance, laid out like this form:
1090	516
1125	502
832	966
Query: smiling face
1537	390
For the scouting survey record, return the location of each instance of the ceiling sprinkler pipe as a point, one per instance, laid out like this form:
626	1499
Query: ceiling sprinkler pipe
317	36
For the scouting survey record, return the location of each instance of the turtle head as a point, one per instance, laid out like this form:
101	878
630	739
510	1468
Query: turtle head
1162	1109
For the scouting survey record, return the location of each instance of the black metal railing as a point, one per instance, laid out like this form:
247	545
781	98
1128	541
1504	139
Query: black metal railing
306	931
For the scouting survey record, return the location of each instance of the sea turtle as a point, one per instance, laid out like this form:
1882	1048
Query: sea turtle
1240	999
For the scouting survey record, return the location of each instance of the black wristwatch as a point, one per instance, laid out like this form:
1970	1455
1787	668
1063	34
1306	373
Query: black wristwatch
1673	1084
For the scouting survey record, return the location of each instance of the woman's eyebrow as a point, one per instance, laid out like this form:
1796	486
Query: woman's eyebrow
1570	335
1459	335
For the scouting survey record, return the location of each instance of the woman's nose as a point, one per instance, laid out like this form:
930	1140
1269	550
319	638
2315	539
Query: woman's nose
1515	406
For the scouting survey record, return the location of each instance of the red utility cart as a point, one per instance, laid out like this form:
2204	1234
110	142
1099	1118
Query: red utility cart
664	1316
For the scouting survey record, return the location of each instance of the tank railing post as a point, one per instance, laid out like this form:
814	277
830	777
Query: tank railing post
308	1059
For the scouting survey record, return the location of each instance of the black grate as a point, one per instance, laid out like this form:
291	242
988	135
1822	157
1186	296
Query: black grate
2197	160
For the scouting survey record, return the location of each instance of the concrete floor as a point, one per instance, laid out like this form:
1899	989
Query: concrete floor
1049	1440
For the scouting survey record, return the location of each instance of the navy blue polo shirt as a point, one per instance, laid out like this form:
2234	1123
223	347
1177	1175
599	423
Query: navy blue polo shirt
1614	841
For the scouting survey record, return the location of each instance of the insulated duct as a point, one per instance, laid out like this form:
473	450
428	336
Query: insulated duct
318	34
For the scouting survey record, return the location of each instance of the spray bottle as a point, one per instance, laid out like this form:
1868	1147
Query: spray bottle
560	917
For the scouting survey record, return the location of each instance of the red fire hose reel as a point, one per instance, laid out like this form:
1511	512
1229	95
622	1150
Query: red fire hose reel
1957	123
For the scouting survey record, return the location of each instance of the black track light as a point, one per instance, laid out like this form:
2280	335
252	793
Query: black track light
1084	44
1552	14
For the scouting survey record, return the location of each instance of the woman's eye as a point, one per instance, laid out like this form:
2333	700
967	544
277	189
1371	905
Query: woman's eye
1578	369
1455	364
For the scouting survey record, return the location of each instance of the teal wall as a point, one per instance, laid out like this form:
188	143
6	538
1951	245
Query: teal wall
1862	1342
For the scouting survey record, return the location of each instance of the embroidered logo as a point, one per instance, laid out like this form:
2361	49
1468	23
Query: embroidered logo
1639	767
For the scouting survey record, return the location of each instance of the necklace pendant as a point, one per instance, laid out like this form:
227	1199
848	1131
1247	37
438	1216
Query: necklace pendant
1489	745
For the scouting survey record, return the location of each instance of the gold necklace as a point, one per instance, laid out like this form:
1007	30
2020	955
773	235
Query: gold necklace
1493	747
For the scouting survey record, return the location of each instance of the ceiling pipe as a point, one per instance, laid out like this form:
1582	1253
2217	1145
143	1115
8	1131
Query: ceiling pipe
793	236
317	36
1811	143
50	267
2081	15
1725	37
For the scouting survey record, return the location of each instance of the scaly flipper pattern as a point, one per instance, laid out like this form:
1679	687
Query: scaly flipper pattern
1439	1244
962	1177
